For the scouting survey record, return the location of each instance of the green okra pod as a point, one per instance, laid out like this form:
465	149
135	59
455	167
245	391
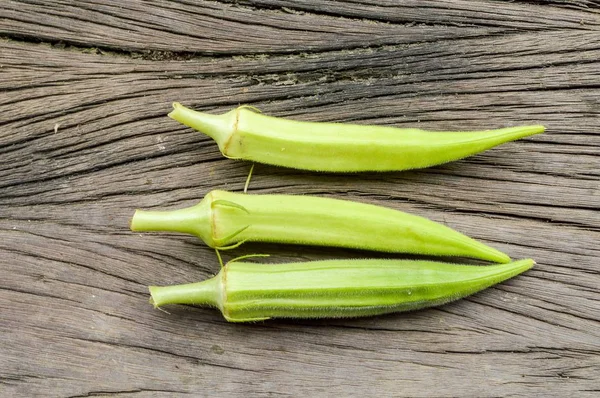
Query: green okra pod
244	133
226	219
246	292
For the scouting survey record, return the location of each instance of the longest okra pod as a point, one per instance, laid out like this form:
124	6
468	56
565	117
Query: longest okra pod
334	289
246	134
223	219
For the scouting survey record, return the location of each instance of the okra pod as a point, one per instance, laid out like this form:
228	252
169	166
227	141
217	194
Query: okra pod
246	292
226	219
244	133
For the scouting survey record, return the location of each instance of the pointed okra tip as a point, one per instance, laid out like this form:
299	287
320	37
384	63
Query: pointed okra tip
533	130
518	132
518	267
526	264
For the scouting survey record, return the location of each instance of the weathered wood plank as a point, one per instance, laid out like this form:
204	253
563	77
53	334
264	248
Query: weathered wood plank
249	27
84	140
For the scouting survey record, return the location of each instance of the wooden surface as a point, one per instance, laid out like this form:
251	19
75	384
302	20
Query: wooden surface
84	140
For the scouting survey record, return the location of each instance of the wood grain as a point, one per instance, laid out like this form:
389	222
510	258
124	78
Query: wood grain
84	140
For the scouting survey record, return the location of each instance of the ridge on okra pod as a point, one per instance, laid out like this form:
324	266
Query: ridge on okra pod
245	133
246	292
225	220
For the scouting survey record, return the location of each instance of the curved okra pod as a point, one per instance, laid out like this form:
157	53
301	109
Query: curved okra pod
246	292
226	219
243	133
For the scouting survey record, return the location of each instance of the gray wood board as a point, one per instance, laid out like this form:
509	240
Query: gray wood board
84	140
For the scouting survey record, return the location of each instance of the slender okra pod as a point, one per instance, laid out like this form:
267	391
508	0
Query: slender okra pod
244	133
246	292
226	219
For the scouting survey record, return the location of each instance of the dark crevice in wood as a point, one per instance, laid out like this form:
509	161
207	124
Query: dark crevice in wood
251	5
193	359
161	55
564	312
174	261
551	205
75	264
295	8
96	145
586	5
536	317
105	393
127	162
86	285
576	225
37	294
571	283
77	108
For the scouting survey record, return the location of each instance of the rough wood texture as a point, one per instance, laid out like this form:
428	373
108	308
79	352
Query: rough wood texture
84	140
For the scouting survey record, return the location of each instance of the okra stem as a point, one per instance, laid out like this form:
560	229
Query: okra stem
200	293
216	127
195	220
